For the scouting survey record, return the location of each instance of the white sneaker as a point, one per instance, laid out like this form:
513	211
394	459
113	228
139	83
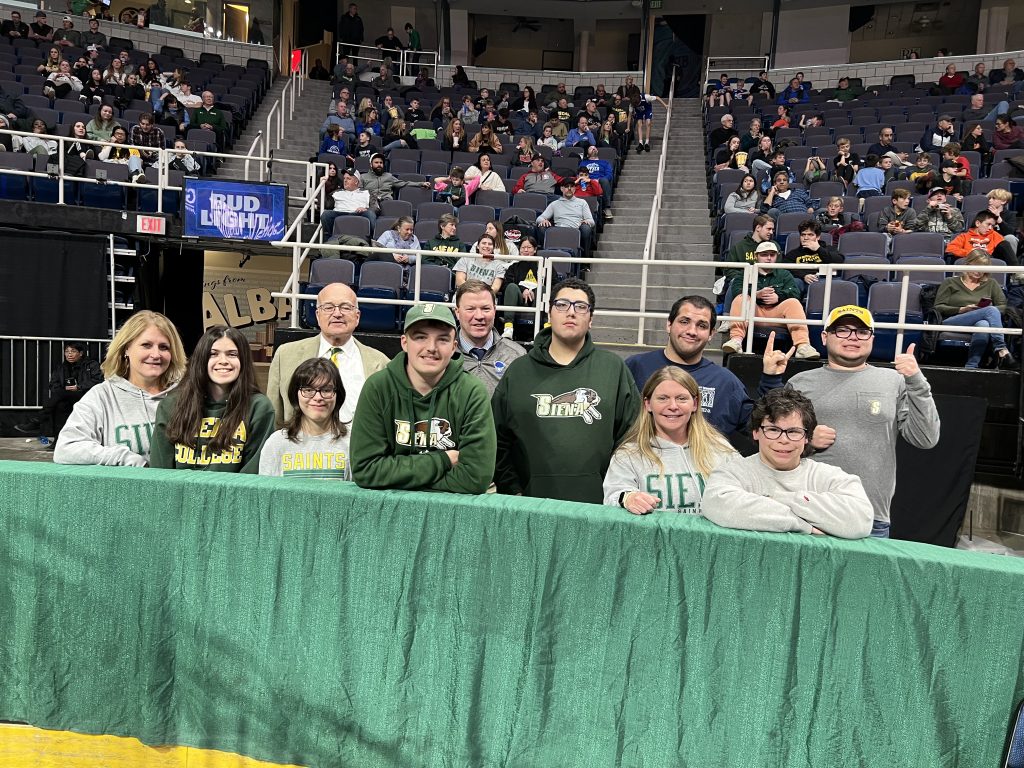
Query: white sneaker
734	346
507	333
807	352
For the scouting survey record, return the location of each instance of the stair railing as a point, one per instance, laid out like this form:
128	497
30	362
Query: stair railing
651	241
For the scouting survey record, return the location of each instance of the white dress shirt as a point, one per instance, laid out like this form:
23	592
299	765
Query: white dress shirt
350	366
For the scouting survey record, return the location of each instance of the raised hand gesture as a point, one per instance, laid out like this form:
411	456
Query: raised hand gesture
774	362
906	363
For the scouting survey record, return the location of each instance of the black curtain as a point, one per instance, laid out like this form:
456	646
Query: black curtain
932	487
54	284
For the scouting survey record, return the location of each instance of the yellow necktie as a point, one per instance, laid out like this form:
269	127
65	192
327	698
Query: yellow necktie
335	355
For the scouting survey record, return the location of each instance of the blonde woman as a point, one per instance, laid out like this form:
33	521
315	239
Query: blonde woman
113	423
1006	220
455	138
664	460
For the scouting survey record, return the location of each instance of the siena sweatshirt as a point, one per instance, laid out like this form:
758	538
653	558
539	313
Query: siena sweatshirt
679	485
749	494
111	425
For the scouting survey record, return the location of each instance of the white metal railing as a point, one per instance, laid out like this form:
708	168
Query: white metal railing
746	66
38	356
275	117
402	63
651	240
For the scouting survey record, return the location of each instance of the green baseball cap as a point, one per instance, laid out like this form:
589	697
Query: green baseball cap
439	313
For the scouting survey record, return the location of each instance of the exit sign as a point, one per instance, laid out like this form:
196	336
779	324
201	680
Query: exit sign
150	225
655	4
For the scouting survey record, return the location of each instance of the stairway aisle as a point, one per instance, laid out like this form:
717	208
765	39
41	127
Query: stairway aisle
684	231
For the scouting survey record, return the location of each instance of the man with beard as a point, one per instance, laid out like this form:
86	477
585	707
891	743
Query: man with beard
863	409
382	185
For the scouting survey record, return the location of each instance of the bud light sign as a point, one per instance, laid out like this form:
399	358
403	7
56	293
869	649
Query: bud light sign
234	210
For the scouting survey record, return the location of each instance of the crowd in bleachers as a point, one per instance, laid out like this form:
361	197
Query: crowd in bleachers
506	159
897	173
161	99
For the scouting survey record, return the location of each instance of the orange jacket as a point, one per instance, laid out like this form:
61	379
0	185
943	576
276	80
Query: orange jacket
967	241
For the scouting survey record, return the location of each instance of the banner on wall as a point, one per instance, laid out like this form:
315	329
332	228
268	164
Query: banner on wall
234	210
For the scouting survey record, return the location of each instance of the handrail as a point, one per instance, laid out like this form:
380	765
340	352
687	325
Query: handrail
761	61
252	148
399	62
651	240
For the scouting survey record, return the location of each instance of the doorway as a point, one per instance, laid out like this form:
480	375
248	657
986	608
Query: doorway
687	51
236	22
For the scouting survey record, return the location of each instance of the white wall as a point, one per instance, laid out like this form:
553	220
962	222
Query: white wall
736	34
609	44
820	35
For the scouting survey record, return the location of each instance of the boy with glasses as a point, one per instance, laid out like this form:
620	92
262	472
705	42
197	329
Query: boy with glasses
863	409
560	410
778	489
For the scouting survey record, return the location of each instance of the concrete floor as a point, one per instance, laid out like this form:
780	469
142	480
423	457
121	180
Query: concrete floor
23	449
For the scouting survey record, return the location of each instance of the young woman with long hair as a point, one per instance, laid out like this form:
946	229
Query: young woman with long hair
217	419
745	198
501	245
315	441
113	422
485	139
664	460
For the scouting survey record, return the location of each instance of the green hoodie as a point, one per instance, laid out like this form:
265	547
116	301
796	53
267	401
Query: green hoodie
558	425
242	456
454	415
444	245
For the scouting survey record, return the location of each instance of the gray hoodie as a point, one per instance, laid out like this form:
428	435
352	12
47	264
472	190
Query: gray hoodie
111	425
680	487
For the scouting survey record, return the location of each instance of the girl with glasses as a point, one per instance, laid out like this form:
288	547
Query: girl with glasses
217	419
315	441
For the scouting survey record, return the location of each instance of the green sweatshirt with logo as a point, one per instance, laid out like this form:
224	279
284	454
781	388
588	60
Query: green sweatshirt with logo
558	425
399	437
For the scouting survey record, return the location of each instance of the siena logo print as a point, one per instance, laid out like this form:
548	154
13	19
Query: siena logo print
580	403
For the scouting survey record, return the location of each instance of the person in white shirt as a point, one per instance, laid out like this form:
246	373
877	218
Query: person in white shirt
779	490
337	313
350	200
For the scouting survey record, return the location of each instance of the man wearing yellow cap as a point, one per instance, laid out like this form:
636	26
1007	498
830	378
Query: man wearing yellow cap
862	409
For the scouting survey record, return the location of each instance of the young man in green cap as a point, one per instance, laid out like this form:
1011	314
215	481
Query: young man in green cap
424	423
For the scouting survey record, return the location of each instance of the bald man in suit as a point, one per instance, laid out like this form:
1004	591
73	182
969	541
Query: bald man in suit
338	315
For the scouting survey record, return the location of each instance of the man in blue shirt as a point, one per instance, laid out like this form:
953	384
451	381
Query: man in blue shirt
580	134
795	93
600	170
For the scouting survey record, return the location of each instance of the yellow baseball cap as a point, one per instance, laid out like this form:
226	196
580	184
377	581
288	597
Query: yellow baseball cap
851	310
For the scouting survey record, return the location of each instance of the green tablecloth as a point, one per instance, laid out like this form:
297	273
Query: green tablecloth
316	623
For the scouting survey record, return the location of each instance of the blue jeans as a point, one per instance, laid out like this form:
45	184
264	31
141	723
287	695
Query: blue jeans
327	219
1000	109
879	529
986	317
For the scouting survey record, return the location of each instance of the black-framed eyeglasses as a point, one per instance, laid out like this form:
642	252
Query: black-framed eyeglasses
846	331
325	392
774	433
330	309
563	305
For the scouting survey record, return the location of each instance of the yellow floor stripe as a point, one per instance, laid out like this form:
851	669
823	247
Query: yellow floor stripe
26	747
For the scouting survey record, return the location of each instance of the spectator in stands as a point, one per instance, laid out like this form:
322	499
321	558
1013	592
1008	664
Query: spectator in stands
846	163
446	242
729	156
761	85
389	43
669	452
899	217
388	111
745	199
112	424
35	144
468	112
859	405
538	179
115	78
782	119
350	31
337	313
184	161
217	419
607	136
423	80
381	184
570	211
565	397
761	158
123	155
811	251
976	82
39	30
587	187
843	92
778	489
974	141
952	153
334	143
547	138
923	173
935	138
522	279
51	63
939	216
484	268
442	114
1009	75
171	113
886	136
401	238
94	37
350	200
342	119
752	138
212	118
870	179
76	152
67	36
93	89
833	216
14	28
413	112
979	112
502	245
981	236
62	84
485	138
781	198
527	101
69	381
101	127
459	77
318	71
1006	220
719	91
486	175
147	136
581	135
642	105
723	133
314	443
951	81
524	151
454	189
601	171
975	299
384	80
363	147
1009	135
890	172
744	252
183	93
455	138
814	170
794	93
777	296
397	136
425	426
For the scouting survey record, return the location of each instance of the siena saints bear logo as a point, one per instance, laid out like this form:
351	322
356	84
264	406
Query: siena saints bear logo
437	433
580	403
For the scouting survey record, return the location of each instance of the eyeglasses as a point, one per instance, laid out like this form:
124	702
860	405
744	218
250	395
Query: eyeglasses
846	331
563	305
330	309
325	392
774	433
